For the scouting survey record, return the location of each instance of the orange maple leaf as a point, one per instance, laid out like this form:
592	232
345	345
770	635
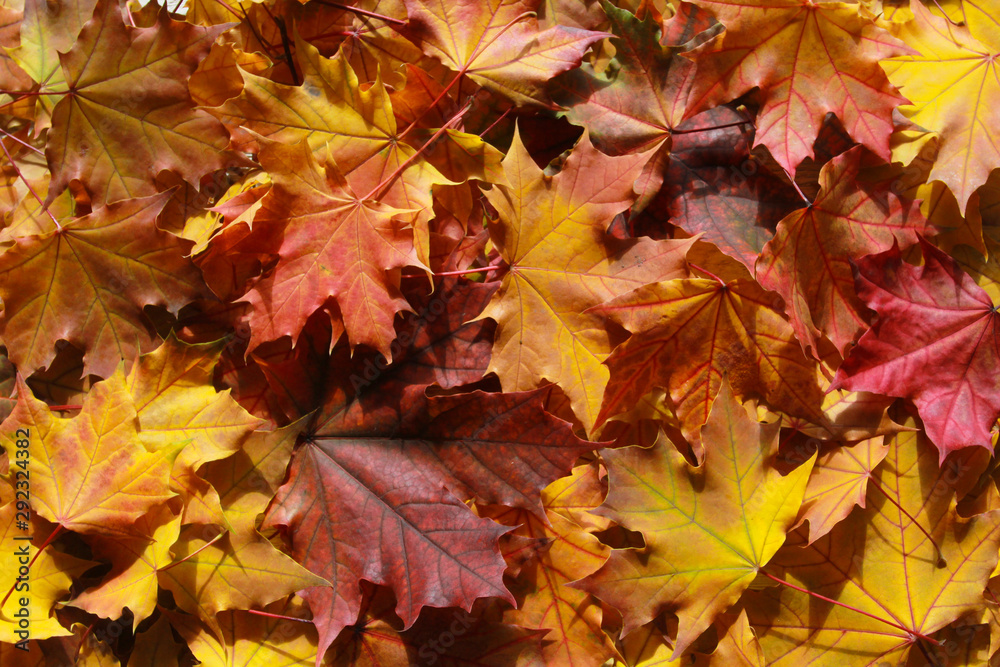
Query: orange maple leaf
91	474
817	57
330	244
88	282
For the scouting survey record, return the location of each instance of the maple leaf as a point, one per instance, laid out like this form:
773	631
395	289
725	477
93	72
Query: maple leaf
43	35
100	271
551	234
210	575
91	472
572	617
283	154
181	414
689	26
708	530
12	77
405	531
128	114
569	553
880	561
434	345
28	217
499	46
451	636
155	646
49	579
714	186
808	260
329	109
737	645
839	481
219	75
689	333
576	495
8	378
958	337
819	57
247	480
586	14
374	44
175	401
495	457
350	260
982	267
332	110
636	103
245	638
134	561
953	87
849	415
473	444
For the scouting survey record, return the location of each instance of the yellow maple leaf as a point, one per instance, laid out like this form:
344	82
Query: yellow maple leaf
954	87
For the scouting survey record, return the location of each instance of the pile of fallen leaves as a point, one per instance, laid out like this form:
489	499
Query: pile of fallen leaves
499	332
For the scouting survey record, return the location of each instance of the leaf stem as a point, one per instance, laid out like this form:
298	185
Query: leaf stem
709	129
465	272
279	616
285	44
60	408
83	641
361	12
911	633
21	141
338	33
709	273
30	93
799	190
31	188
47	542
941	561
495	123
931	661
434	138
794	430
230	8
260	38
945	14
432	105
195	552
